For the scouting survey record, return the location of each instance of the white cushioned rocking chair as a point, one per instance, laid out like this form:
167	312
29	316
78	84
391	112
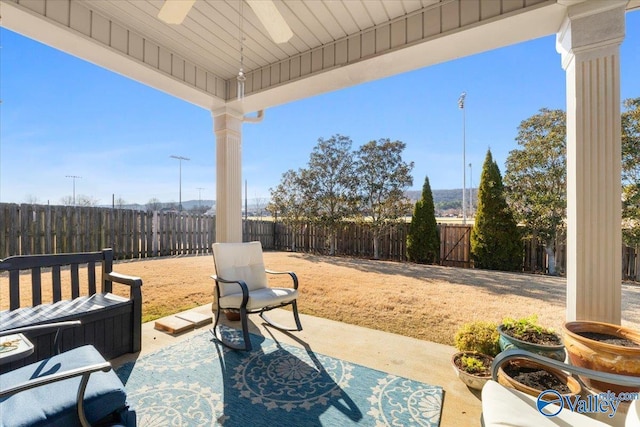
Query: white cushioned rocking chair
242	287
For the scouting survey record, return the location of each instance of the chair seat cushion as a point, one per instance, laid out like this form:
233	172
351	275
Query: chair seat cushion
55	404
58	311
503	406
260	298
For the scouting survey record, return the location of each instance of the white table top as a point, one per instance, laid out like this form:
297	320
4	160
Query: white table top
14	347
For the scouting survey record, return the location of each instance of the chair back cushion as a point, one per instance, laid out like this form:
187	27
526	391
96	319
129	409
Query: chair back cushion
239	261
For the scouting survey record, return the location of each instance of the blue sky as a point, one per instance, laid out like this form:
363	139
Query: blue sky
63	116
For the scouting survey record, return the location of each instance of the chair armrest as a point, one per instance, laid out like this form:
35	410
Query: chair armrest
84	372
505	356
134	282
57	325
243	287
59	376
290	273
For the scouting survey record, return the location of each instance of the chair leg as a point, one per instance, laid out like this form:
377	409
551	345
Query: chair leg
281	327
245	332
245	329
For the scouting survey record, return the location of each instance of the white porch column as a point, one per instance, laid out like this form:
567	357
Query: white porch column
227	126
589	42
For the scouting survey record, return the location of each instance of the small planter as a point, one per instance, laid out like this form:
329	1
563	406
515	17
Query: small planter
533	378
603	347
551	346
475	380
232	316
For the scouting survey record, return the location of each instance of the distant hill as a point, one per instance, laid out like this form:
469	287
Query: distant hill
440	196
442	199
447	202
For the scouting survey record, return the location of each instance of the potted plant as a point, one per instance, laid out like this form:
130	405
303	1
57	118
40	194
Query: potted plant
603	347
533	378
527	334
477	343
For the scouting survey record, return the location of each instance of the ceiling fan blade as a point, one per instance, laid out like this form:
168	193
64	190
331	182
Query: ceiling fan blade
273	21
174	11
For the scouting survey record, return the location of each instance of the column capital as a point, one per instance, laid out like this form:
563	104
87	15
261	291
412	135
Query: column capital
590	26
227	119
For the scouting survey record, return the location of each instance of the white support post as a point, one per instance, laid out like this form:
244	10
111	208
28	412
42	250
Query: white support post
589	42
228	131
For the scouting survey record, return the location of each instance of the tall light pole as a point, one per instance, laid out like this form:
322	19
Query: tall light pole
180	159
200	196
470	191
74	177
464	160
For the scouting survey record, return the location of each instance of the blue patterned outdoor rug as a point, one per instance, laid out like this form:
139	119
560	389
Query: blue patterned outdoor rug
199	382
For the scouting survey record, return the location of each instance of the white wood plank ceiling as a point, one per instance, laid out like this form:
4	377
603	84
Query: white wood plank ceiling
199	59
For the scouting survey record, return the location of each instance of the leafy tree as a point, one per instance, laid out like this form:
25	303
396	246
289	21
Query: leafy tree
330	184
423	240
383	178
495	239
631	172
154	204
288	201
535	178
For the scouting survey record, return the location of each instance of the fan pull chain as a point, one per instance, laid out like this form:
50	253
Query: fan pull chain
241	77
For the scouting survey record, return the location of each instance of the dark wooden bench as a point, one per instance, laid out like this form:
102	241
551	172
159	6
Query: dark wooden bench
111	323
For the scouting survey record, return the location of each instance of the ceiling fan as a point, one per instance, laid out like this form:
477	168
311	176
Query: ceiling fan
175	11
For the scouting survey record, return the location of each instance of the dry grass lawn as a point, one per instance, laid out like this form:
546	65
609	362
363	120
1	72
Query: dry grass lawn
425	302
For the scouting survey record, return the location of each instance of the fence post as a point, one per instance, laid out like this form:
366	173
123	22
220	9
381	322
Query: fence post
155	238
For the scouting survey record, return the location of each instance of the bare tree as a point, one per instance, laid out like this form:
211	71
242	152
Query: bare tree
154	204
87	201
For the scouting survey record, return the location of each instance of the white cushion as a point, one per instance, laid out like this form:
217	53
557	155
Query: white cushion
633	415
503	406
239	261
260	298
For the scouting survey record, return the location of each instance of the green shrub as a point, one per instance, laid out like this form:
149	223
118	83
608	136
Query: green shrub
472	364
495	238
479	336
525	325
423	240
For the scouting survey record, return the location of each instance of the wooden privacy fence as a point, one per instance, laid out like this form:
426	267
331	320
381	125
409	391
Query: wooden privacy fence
36	229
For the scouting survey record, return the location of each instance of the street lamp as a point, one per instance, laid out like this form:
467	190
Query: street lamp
180	159
200	197
470	191
74	177
464	160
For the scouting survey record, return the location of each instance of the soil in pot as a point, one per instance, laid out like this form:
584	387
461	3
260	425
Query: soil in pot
532	378
486	361
536	378
609	339
540	338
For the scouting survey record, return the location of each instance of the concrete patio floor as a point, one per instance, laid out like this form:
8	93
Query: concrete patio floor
399	355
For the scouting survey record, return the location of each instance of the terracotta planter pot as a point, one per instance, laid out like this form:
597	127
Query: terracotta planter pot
232	315
551	351
508	381
602	356
473	381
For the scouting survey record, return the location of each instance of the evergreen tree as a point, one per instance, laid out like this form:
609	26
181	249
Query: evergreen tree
495	238
423	239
